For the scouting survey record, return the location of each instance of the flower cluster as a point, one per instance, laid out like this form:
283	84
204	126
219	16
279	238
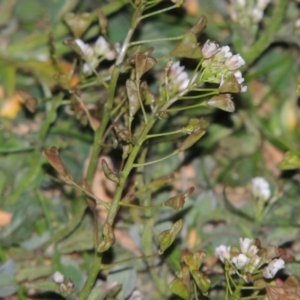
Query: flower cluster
220	64
91	54
261	188
244	11
178	79
250	259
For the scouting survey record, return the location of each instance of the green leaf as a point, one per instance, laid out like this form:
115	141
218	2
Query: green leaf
290	161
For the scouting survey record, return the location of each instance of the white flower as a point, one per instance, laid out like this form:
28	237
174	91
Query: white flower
179	79
102	48
241	2
234	62
87	50
240	261
247	247
58	277
257	14
245	244
262	4
273	267
223	253
225	52
209	49
261	188
244	89
238	76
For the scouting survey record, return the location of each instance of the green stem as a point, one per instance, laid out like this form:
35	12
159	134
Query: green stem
93	272
156	40
149	136
267	36
158	12
155	161
60	31
98	200
121	262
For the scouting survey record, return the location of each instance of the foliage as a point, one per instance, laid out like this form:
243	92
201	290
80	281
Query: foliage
137	147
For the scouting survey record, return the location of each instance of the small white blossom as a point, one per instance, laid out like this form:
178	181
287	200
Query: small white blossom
178	78
273	267
247	247
87	50
261	188
297	23
58	277
241	2
102	48
257	14
234	62
240	261
244	89
209	49
223	253
262	4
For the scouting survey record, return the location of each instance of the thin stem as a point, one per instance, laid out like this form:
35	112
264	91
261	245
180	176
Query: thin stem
141	102
156	161
186	107
98	200
86	112
158	12
267	36
121	262
149	136
156	40
121	203
95	268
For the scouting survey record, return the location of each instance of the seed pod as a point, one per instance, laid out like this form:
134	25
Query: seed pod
192	139
108	238
109	174
167	237
78	23
55	161
222	101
